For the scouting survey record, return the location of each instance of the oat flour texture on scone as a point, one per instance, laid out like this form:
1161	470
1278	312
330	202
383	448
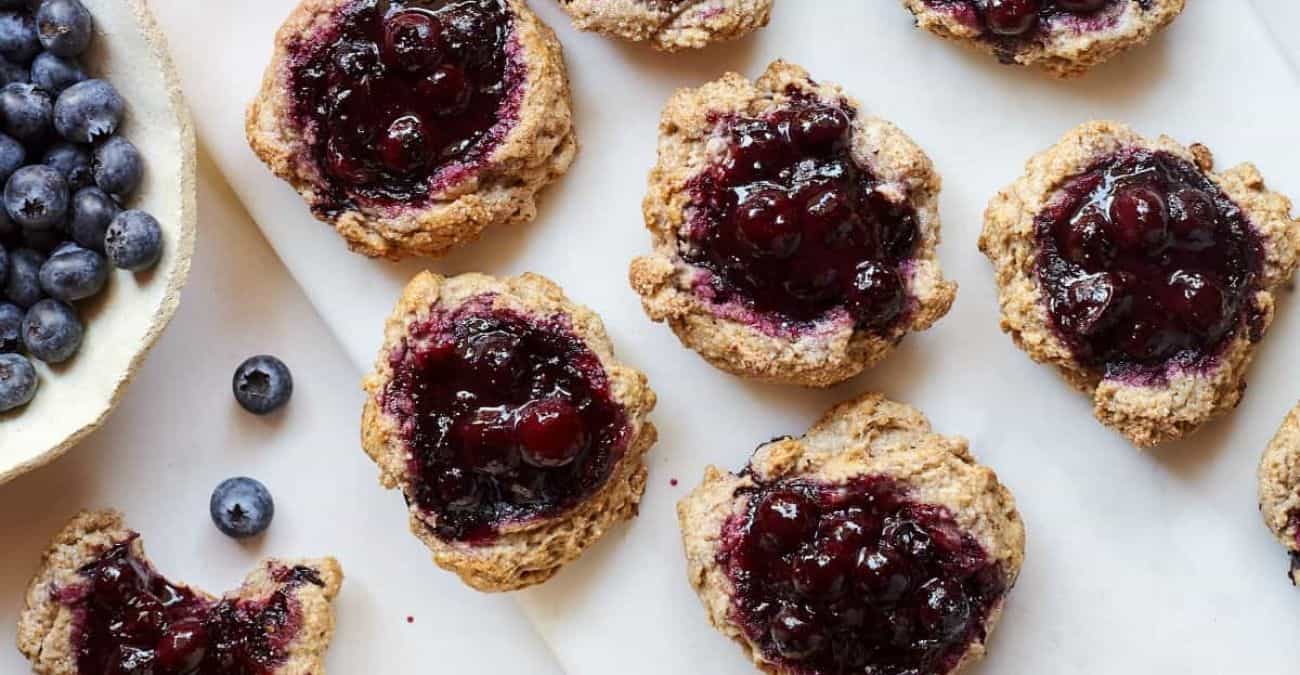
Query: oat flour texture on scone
97	606
1279	488
670	25
869	545
498	409
794	235
1146	277
412	125
1063	37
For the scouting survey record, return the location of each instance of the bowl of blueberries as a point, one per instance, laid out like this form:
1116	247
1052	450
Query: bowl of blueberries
97	214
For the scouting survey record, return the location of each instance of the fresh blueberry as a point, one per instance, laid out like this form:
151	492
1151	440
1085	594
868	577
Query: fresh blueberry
4	264
88	111
27	111
89	215
241	507
64	27
12	156
262	384
23	287
73	162
12	72
18	39
64	247
133	241
117	166
36	196
52	331
11	327
17	381
73	274
54	73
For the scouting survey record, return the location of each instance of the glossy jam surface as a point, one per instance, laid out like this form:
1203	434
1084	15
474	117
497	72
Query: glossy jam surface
508	418
791	226
856	578
1144	260
128	619
1018	20
400	95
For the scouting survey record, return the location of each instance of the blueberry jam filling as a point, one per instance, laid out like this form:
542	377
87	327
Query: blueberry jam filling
1145	259
397	90
508	418
128	619
1012	20
856	578
790	225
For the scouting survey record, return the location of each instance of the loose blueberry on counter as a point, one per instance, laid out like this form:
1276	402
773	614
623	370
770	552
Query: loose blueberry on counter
241	507
118	167
133	241
36	197
262	384
23	286
12	156
11	327
856	578
18	39
1144	258
91	212
28	112
791	224
18	381
71	160
52	331
54	73
73	273
89	111
64	27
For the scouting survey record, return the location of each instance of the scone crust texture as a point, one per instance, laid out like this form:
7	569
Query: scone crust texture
1184	399
1279	488
528	553
501	188
1061	51
869	435
831	350
45	626
690	24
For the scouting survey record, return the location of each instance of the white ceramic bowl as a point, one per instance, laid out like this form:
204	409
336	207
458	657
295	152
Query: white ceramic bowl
124	321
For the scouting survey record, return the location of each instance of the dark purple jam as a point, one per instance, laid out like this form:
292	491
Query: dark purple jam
790	225
508	418
1145	260
128	619
1011	21
397	93
857	578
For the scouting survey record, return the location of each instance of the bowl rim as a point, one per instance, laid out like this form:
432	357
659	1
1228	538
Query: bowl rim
180	270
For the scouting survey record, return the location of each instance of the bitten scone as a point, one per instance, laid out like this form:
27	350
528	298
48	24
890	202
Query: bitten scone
98	606
1064	37
794	235
516	437
1279	488
869	545
1142	274
412	125
670	25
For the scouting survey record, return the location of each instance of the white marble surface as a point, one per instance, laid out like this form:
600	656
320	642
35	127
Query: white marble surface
179	432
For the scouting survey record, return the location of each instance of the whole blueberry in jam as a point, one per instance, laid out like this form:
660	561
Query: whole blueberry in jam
1018	19
507	417
129	619
856	578
1144	259
789	224
396	90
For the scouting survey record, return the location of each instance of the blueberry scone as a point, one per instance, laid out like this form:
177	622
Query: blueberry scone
794	234
1146	277
1064	37
499	410
97	606
1279	488
869	545
412	125
670	25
